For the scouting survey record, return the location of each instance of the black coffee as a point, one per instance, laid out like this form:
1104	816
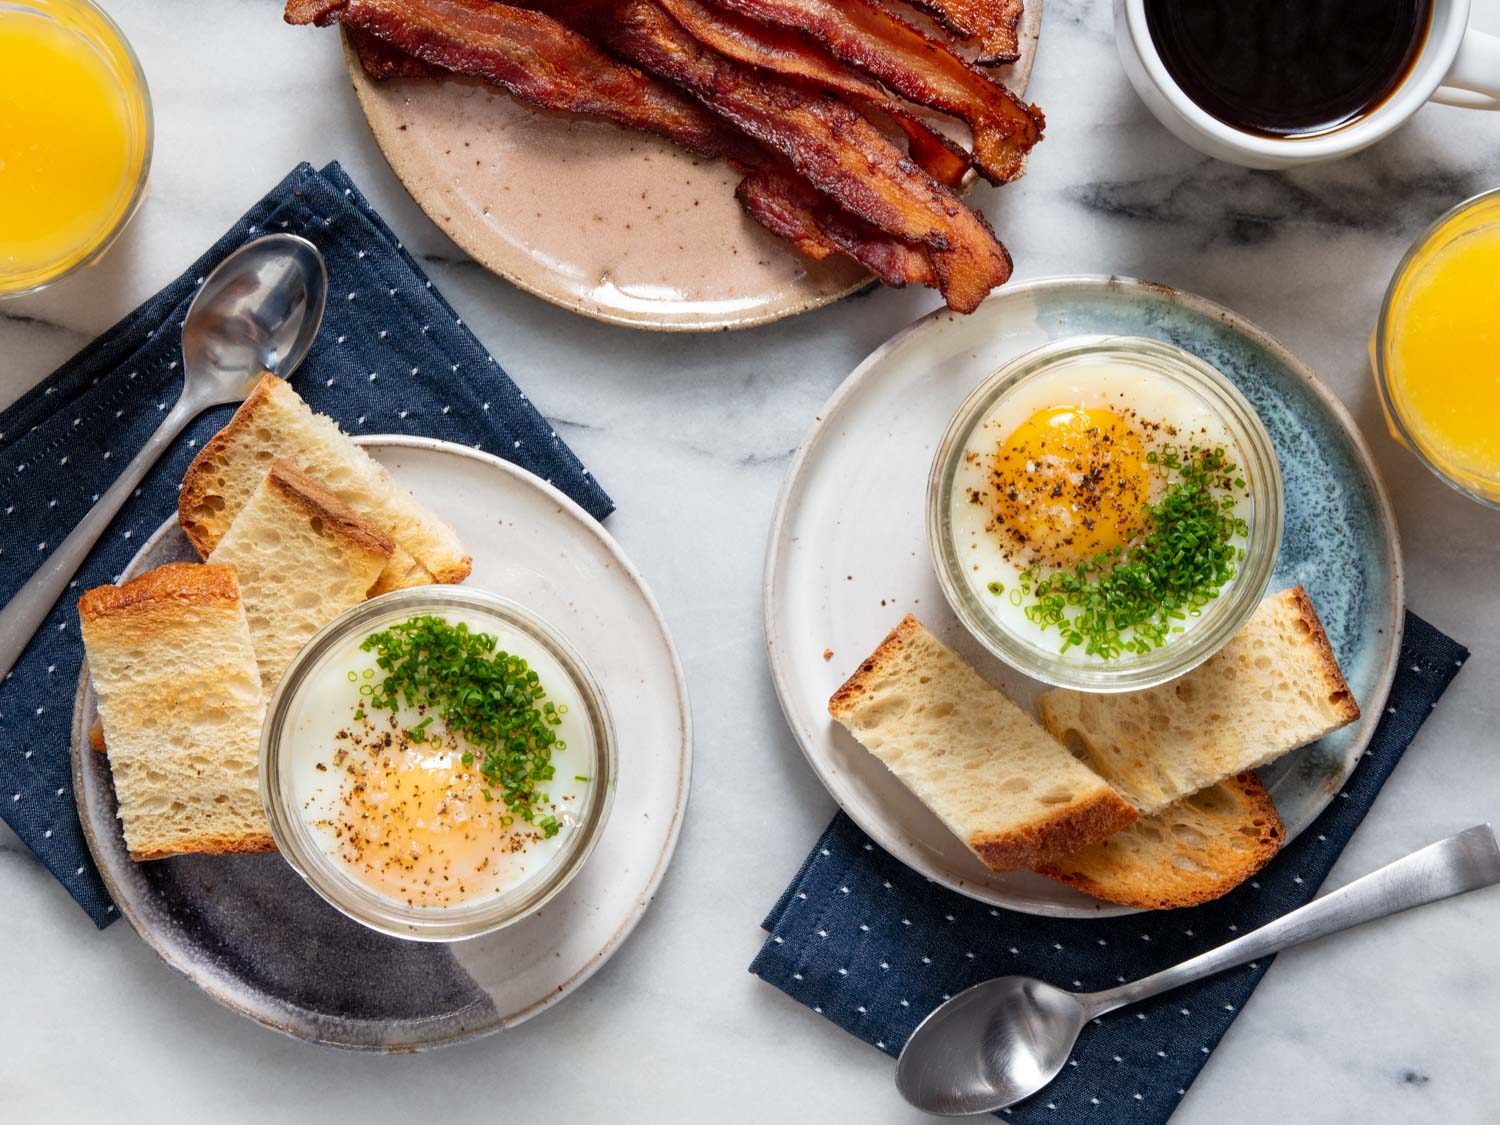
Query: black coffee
1288	67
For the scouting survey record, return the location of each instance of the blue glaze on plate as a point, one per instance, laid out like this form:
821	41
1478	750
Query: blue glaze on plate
1340	538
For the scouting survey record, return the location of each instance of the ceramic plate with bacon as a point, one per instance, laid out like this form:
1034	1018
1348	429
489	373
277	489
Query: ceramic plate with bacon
696	165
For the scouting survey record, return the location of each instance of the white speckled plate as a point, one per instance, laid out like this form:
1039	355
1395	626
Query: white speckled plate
848	552
251	934
608	222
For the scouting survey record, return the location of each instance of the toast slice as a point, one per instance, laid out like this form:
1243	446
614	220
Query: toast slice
1193	851
302	557
180	699
1275	686
274	423
995	778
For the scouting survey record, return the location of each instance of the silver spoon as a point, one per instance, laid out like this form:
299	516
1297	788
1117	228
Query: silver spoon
258	311
1001	1041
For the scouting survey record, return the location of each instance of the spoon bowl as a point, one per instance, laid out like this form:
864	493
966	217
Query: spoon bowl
1013	1035
258	311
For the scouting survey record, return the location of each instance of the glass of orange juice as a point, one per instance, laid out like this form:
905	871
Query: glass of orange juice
1436	348
75	139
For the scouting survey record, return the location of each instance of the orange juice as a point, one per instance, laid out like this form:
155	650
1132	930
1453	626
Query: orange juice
75	137
1437	349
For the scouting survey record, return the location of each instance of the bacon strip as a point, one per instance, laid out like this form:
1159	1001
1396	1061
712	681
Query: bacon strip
787	53
380	60
791	208
772	193
830	144
537	59
917	67
992	22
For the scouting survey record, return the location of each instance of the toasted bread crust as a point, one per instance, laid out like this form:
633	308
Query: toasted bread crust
1105	872
1071	827
403	572
194	493
855	687
188	583
1064	830
1339	694
340	521
456	573
193	610
211	845
201	514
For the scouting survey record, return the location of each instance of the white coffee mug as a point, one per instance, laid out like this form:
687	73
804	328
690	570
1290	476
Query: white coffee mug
1456	66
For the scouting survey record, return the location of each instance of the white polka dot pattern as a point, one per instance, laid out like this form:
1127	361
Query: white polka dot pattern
108	398
874	947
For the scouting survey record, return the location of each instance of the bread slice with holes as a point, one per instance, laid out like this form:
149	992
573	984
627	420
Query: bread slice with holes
180	701
1193	851
273	423
303	557
995	778
1275	686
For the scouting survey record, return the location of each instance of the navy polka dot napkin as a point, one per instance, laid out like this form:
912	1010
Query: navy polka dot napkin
874	947
392	357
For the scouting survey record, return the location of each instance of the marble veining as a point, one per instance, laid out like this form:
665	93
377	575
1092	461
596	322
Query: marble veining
1246	207
690	435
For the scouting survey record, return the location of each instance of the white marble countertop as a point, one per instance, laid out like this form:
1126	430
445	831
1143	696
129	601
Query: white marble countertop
1394	1023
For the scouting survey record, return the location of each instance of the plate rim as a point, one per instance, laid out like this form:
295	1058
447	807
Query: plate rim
776	543
502	1022
1030	30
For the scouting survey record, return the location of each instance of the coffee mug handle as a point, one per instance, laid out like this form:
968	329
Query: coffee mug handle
1476	73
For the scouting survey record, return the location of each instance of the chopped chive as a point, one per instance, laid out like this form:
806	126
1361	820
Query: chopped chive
491	698
1117	602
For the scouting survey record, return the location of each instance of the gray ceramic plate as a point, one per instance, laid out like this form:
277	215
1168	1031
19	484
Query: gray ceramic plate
251	934
608	222
848	549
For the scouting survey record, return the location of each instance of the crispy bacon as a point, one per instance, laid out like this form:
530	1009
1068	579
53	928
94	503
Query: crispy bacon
772	193
786	52
992	22
537	59
791	208
840	152
919	68
320	12
380	60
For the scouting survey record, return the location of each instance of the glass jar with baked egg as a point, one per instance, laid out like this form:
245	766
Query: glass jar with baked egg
437	763
1104	512
1436	349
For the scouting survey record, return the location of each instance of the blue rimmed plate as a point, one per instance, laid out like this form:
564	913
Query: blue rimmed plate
848	553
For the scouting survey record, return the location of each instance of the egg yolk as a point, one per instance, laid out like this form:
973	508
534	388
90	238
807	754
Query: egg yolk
416	826
1068	483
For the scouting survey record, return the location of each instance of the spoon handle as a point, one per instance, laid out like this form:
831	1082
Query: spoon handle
23	614
1460	863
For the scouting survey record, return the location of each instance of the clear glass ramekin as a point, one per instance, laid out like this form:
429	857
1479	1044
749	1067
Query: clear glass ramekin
327	875
1473	214
1222	618
92	23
